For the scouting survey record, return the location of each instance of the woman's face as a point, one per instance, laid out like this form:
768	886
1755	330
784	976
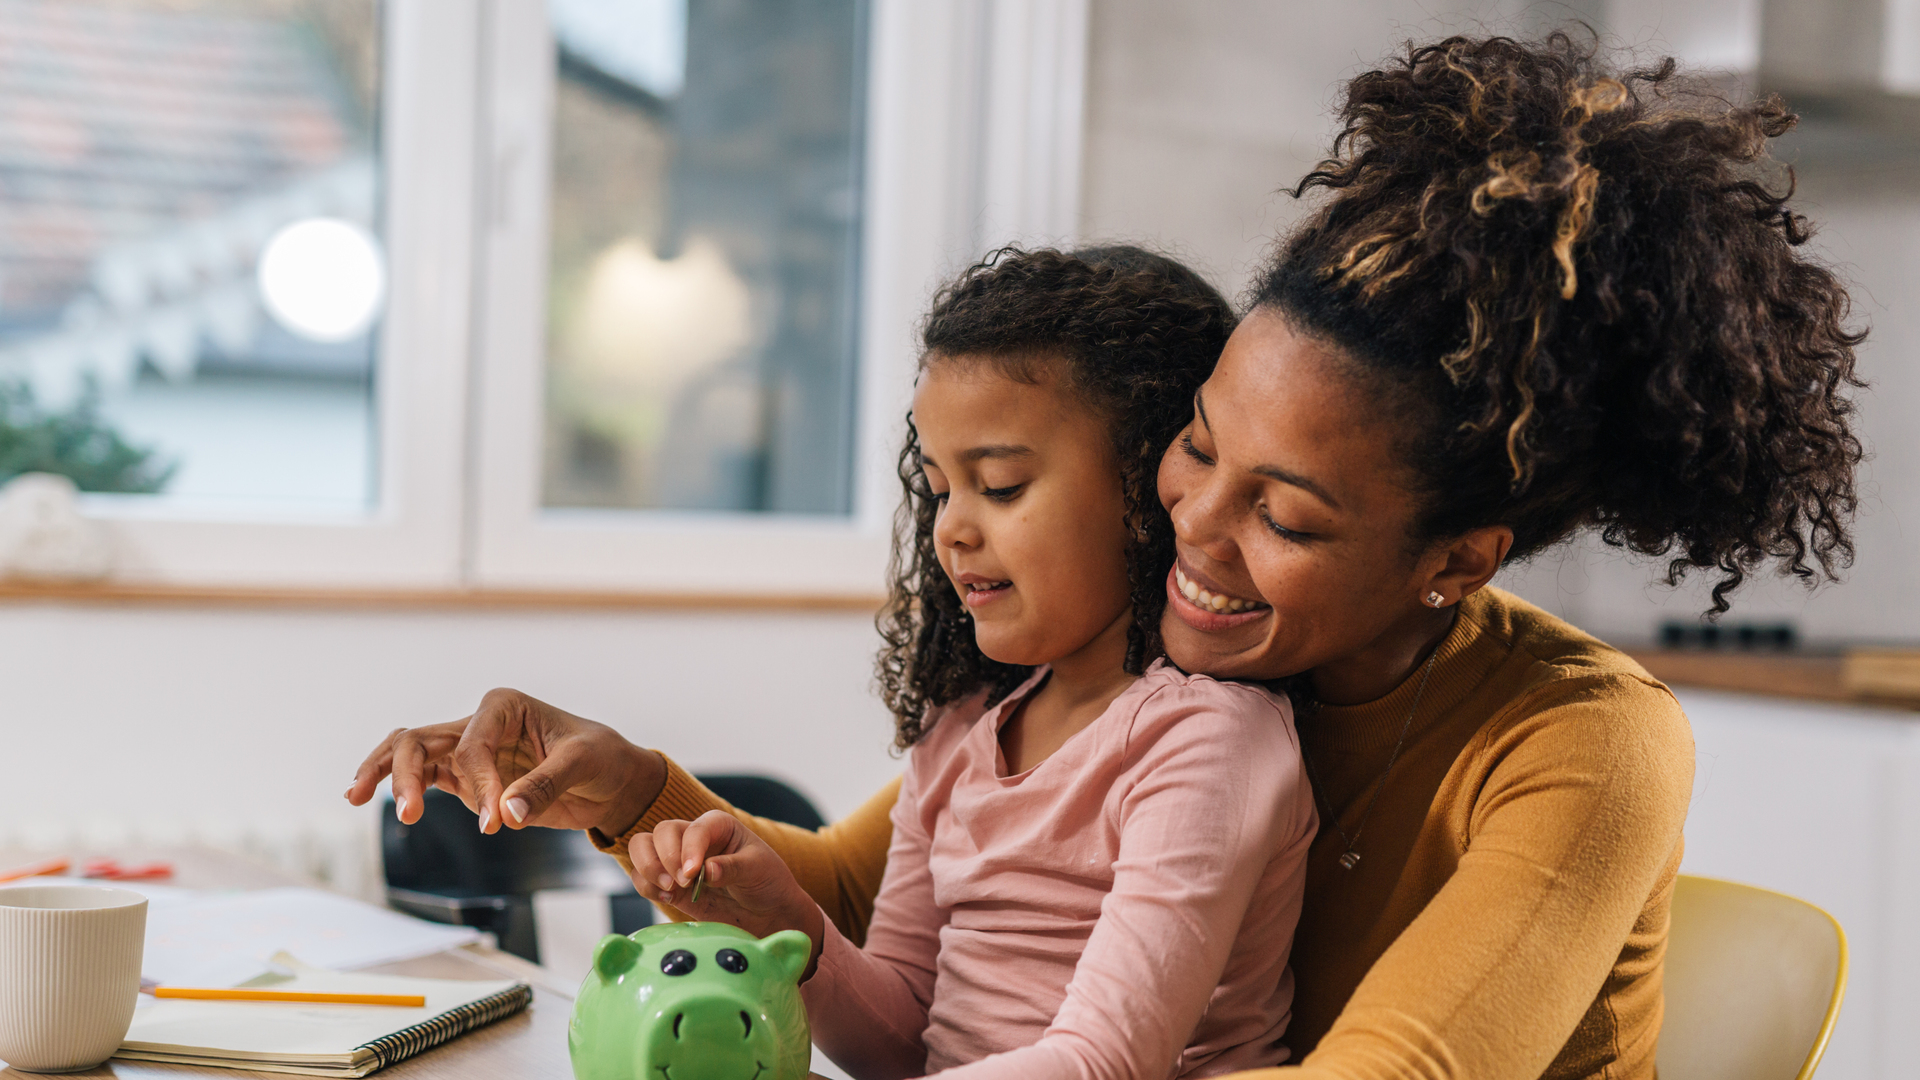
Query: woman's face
1290	513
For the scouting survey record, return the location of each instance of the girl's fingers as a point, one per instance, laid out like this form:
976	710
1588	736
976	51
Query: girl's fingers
649	873
713	833
722	869
667	847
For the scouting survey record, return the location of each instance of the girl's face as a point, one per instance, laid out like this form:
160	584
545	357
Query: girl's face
1285	493
1032	522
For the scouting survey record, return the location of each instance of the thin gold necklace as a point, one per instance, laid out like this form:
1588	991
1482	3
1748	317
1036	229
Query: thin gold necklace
1350	858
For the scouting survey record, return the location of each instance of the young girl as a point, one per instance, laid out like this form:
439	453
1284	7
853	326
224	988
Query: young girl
1097	859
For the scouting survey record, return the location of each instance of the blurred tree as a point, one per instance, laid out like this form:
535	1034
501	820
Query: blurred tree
75	444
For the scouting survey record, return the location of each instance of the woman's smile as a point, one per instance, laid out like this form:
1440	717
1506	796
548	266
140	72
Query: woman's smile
1206	610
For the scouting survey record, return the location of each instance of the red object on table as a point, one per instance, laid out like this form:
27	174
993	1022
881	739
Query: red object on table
43	867
111	870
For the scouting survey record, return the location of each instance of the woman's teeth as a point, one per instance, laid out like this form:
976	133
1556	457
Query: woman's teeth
987	586
1202	598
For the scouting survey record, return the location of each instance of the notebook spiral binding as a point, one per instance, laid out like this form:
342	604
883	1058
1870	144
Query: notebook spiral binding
428	1034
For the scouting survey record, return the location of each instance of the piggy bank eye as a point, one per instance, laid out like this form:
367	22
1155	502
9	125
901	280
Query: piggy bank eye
677	962
730	960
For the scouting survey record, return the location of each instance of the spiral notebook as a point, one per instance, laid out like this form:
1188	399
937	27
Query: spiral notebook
318	1040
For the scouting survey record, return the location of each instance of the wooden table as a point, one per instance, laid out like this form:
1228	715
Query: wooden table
530	1045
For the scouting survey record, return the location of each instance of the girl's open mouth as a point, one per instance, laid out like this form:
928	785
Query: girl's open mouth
984	592
1203	609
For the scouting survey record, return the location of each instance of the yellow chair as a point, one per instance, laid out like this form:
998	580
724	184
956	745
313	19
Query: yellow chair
1754	980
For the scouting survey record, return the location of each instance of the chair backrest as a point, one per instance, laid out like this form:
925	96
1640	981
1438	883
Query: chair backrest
763	796
445	852
1753	982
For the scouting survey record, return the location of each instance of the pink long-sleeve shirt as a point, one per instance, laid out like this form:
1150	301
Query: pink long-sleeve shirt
1121	911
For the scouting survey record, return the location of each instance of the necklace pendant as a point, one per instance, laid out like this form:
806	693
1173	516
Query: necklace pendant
1350	860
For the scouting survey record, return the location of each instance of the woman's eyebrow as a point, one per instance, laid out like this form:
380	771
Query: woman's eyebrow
1274	472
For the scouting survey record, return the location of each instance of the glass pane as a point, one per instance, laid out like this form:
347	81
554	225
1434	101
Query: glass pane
704	229
189	270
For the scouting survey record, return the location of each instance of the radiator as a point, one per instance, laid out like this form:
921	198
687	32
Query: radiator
339	851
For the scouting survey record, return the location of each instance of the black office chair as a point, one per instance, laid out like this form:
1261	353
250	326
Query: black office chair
442	868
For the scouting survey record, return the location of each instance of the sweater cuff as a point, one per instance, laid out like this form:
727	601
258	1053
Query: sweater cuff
682	798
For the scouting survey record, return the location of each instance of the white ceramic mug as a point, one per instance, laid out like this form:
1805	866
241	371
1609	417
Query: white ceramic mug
69	973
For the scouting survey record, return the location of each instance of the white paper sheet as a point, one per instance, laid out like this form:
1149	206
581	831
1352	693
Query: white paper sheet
223	939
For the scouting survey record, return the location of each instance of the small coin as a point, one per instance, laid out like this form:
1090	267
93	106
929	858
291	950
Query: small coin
699	882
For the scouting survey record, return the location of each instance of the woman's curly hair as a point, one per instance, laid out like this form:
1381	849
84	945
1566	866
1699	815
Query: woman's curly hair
1581	292
1134	334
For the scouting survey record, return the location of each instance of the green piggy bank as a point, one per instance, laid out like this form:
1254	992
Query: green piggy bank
693	1001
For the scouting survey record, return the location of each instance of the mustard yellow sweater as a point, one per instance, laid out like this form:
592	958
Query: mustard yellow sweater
1508	916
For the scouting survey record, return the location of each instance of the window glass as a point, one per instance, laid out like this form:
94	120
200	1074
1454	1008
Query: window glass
705	216
190	269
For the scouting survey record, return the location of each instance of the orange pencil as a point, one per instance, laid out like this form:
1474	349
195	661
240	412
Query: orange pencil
47	866
199	994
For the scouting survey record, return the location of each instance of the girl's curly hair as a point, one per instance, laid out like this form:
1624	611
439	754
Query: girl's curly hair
1579	289
1134	334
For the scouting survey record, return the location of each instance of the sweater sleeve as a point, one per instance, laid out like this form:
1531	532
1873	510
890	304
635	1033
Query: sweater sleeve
1221	802
869	1005
1577	825
840	865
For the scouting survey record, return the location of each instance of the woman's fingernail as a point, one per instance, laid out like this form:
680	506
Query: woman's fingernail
400	807
666	882
518	808
486	815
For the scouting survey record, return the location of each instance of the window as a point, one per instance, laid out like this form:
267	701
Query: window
703	253
188	259
644	278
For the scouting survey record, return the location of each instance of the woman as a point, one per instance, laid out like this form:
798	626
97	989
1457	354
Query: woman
1537	298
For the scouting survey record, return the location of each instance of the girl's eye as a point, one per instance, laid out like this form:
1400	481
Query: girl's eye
1192	451
1280	530
1004	494
938	496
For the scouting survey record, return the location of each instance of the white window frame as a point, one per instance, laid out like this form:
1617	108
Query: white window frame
973	139
966	125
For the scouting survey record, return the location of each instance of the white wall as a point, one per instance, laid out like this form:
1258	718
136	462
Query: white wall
236	722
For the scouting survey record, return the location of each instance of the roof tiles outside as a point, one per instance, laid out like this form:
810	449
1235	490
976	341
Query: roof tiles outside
117	122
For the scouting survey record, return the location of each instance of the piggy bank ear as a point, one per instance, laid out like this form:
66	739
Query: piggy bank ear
789	950
615	955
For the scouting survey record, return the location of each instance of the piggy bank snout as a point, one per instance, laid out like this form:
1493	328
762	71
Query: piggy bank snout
710	1036
714	1020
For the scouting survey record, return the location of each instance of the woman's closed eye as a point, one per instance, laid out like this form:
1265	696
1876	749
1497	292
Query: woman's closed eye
1192	451
1279	530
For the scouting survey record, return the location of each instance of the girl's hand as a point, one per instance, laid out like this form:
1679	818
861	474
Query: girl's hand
746	885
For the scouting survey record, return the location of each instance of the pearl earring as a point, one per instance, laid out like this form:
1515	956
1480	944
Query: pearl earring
1434	599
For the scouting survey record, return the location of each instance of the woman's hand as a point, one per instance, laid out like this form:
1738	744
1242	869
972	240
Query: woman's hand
517	762
747	885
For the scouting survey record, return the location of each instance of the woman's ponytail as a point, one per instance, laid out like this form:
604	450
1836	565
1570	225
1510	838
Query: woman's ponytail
1591	304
